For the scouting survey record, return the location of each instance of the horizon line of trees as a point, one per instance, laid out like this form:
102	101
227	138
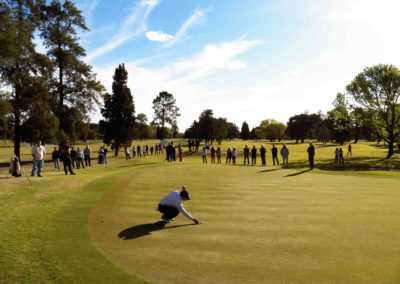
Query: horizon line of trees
50	96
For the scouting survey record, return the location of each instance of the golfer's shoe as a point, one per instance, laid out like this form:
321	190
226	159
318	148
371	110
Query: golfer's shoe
168	220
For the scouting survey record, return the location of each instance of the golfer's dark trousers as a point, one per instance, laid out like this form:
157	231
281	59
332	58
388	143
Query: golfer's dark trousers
67	165
169	212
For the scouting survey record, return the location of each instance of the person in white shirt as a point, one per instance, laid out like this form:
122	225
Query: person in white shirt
38	155
204	155
171	205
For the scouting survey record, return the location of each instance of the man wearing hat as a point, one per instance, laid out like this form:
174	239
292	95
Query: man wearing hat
171	205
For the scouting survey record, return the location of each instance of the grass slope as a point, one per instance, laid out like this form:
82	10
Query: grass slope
44	236
262	225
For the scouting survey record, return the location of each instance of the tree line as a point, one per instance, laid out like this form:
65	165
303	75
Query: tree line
369	110
51	95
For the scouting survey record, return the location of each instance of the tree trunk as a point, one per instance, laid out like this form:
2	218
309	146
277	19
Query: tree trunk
391	150
61	94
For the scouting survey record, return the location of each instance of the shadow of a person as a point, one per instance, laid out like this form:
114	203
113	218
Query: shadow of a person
298	173
145	230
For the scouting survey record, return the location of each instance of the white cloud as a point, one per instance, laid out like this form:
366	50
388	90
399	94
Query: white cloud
214	58
193	20
134	25
158	36
179	78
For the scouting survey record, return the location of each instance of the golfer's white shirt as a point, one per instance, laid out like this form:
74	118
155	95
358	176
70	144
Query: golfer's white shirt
174	199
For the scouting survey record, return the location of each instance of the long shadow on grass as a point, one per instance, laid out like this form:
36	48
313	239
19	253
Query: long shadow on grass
298	173
266	171
145	230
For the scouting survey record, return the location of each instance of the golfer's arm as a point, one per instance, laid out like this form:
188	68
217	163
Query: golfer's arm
187	215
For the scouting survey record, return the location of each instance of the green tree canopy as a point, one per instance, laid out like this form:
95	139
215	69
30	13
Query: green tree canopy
377	91
165	112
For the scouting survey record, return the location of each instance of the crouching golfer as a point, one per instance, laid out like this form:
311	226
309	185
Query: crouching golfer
171	205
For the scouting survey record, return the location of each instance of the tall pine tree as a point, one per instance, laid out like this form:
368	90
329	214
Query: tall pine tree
118	112
73	83
19	61
245	132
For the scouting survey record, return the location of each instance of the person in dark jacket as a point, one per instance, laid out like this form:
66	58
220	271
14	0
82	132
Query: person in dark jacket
66	157
311	154
263	151
56	155
274	152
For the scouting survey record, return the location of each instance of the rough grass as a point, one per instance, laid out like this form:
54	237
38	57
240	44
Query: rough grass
44	236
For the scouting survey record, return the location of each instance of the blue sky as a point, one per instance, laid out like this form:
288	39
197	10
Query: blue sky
246	60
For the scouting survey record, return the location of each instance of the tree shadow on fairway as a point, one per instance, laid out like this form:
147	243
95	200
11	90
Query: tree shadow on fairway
298	173
265	171
145	230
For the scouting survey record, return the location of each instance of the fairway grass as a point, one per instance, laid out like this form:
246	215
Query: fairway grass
261	225
335	224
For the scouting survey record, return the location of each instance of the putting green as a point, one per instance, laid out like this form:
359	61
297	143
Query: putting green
260	225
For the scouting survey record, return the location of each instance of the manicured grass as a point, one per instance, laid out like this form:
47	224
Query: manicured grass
262	224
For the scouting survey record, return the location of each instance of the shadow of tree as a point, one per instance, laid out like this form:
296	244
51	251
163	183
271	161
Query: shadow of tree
146	229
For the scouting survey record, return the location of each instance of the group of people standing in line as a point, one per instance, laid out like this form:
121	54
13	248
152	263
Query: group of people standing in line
231	155
75	159
143	151
70	157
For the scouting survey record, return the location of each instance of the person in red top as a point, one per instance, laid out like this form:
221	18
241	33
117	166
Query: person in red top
228	156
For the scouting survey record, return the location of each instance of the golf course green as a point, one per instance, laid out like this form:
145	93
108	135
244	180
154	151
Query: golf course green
261	224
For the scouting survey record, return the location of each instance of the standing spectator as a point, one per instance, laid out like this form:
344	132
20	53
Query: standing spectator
204	155
38	155
274	152
168	152
285	156
341	160
73	157
105	154
79	158
246	155
263	151
190	144
234	154
66	157
349	153
133	151
173	151
86	152
218	152
56	155
101	156
311	154
151	150
253	156
180	152
127	155
197	145
336	155
139	151
212	151
228	156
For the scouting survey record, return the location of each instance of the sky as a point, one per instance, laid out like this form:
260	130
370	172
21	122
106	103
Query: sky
246	60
